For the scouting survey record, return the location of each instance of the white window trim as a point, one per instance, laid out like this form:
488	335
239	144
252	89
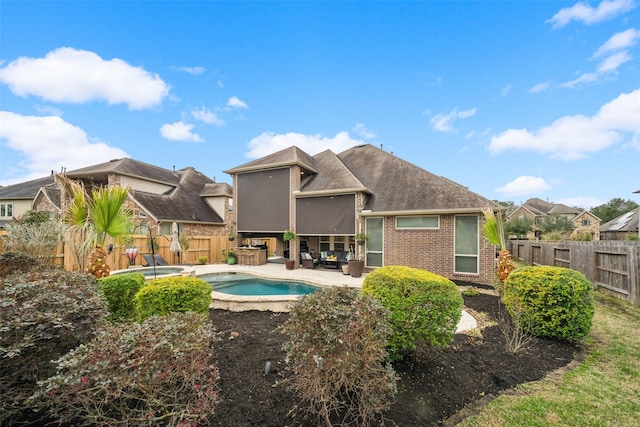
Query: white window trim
477	255
381	252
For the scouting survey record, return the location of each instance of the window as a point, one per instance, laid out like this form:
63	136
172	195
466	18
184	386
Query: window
335	243
466	244
142	215
374	252
585	222
6	210
432	221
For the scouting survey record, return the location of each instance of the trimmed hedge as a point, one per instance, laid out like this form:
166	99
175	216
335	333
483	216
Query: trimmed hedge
551	302
119	290
173	294
424	306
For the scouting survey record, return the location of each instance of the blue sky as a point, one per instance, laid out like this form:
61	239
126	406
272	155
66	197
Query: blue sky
512	99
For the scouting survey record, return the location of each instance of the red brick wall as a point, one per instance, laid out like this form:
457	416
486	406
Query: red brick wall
433	250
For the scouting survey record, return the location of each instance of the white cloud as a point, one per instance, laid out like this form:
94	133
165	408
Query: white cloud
179	131
505	90
48	143
207	116
235	102
76	76
191	70
48	110
621	40
611	63
589	15
615	52
585	203
270	142
540	87
444	122
573	137
524	185
361	130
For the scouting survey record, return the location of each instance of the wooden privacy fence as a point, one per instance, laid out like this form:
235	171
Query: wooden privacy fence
612	266
199	246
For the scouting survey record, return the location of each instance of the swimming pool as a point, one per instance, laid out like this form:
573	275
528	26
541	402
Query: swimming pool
244	292
249	285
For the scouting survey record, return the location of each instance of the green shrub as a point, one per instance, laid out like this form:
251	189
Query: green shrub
43	315
551	302
336	349
119	291
158	372
173	294
424	306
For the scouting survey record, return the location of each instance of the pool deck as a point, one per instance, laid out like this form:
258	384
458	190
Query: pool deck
319	276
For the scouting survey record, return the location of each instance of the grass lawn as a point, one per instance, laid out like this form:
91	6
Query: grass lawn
603	391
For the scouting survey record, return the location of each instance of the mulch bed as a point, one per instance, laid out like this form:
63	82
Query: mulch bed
434	383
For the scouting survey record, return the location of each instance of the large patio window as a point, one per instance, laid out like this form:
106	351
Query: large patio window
466	244
375	244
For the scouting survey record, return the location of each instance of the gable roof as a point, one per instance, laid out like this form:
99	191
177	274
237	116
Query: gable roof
287	157
399	186
184	203
332	176
25	190
625	222
126	167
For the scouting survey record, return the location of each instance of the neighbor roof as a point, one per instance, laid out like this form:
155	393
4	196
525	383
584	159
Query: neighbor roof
625	222
126	167
24	190
184	203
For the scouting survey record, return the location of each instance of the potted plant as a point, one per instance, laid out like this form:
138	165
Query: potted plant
356	265
361	238
232	236
230	256
288	236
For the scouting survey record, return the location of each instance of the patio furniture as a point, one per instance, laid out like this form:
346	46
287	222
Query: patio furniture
150	260
333	259
308	260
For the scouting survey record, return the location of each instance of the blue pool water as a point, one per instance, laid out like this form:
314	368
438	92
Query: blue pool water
248	285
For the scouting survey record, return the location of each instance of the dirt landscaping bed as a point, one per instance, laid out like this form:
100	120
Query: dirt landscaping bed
434	383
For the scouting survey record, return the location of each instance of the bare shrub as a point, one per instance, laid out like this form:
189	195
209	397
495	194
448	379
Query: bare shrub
43	315
336	350
38	239
516	336
158	372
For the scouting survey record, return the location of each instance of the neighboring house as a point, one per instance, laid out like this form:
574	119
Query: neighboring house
412	217
537	210
621	227
157	196
17	199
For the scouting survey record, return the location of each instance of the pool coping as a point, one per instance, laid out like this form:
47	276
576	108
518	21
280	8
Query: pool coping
275	303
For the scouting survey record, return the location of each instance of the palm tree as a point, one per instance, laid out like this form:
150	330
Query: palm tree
97	219
494	232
